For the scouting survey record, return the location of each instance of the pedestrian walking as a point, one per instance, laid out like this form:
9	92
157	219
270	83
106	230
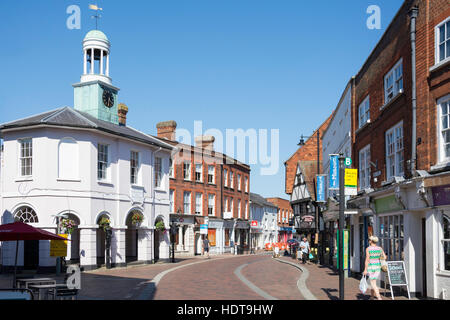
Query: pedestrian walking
373	264
206	246
304	248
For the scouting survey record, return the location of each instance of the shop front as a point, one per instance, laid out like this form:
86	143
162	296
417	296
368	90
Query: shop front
438	242
242	237
184	239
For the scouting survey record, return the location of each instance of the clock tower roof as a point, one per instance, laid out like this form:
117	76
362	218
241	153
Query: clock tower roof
96	35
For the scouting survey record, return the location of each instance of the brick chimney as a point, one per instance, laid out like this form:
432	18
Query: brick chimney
167	130
205	142
122	110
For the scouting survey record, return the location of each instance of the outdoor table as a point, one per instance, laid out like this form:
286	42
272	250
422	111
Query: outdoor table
29	281
43	287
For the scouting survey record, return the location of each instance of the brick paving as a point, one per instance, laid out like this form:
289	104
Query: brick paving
275	278
323	282
213	279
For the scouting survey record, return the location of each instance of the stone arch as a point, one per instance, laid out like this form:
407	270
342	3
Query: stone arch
158	237
132	236
25	214
73	246
101	238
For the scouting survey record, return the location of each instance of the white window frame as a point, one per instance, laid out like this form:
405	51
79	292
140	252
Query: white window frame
438	43
188	163
225	177
231	179
246	209
398	165
137	179
172	200
158	168
239	182
29	156
213	174
199	205
107	163
364	168
442	266
239	208
246	183
171	168
187	203
441	145
211	197
364	112
197	165
396	89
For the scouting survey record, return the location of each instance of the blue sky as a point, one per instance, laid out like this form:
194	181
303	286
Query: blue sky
250	64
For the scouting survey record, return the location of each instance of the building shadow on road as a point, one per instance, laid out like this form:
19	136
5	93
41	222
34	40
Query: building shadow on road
333	294
107	287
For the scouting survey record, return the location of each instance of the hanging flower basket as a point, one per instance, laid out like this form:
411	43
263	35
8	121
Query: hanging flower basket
137	219
67	225
160	226
104	223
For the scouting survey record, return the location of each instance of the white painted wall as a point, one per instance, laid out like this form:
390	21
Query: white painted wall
337	138
83	195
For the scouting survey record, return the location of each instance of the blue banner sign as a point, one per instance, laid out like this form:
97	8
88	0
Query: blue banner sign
321	188
334	172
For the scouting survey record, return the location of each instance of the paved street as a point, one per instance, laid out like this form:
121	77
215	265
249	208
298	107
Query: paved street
226	277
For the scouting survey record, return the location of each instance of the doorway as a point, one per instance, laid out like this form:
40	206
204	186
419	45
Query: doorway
31	254
424	259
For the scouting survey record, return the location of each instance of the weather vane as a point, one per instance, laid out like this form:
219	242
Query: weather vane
97	15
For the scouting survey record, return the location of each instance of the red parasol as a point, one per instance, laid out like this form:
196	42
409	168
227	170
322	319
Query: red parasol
21	231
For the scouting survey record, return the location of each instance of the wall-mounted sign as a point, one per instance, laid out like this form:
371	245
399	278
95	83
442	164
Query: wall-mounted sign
228	215
254	223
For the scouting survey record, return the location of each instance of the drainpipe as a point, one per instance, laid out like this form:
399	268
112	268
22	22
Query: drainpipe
153	206
413	15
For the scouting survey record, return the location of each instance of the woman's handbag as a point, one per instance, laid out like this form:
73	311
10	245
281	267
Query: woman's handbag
384	266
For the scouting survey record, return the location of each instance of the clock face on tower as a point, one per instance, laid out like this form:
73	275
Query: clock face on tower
108	98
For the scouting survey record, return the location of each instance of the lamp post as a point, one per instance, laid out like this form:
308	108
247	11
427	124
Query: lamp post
108	236
173	233
58	231
341	224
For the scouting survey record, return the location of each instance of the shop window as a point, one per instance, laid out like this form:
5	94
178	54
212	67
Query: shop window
446	241
212	237
227	237
392	236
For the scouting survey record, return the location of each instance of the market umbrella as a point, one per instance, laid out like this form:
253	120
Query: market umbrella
18	231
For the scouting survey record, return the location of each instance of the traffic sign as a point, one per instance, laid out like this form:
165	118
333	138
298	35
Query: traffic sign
348	162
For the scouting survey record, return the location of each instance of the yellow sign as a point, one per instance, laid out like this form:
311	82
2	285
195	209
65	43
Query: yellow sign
58	248
351	178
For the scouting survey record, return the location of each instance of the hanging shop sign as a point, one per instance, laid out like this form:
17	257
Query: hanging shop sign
203	229
58	248
334	172
320	188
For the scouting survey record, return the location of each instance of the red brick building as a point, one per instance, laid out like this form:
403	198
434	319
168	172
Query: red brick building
405	160
285	214
207	187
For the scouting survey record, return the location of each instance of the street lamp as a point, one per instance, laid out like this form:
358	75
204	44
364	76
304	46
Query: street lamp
58	231
173	233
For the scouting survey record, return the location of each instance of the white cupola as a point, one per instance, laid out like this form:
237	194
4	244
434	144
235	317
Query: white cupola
96	48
